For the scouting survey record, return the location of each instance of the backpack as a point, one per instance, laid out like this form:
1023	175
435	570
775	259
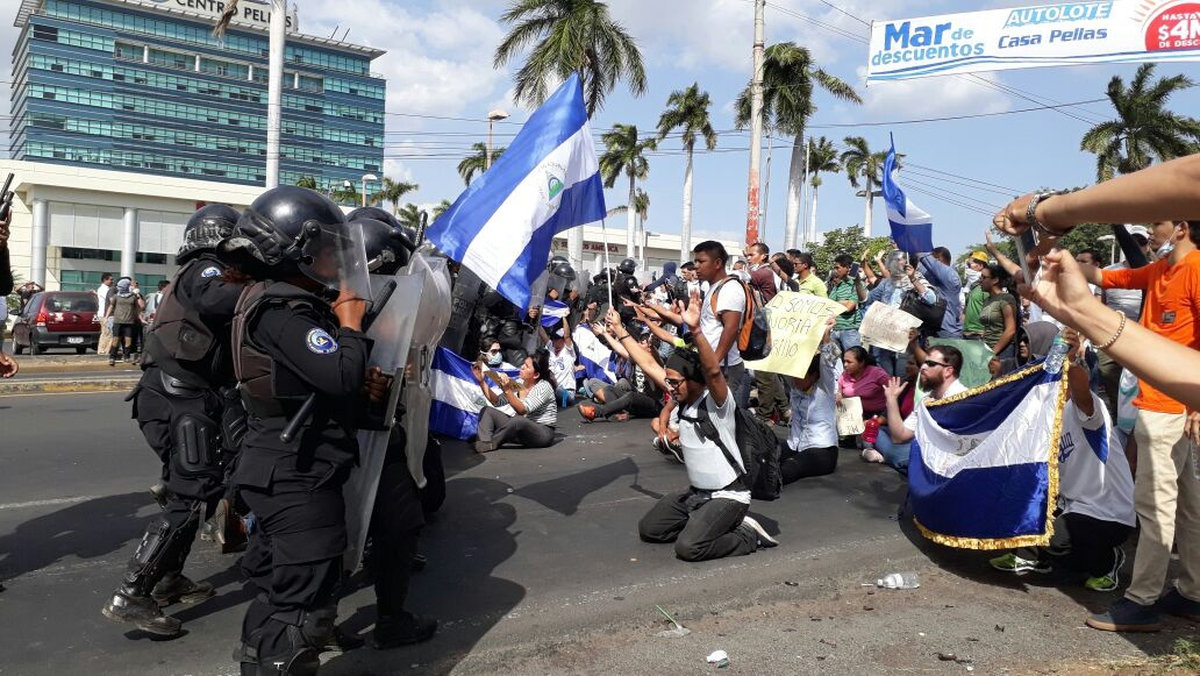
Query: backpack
758	445
930	315
754	336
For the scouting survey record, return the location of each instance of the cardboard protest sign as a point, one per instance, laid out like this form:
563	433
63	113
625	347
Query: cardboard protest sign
887	327
850	417
797	324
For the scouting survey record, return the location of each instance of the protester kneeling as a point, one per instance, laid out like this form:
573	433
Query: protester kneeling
708	520
535	413
812	444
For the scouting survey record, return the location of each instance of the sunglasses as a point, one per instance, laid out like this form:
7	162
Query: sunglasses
673	382
931	363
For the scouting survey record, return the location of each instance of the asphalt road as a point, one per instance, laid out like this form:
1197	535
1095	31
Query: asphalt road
534	567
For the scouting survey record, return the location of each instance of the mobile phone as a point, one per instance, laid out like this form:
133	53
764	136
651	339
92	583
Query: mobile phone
854	270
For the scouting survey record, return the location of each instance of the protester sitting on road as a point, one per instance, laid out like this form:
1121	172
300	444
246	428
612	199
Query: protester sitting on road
633	395
532	401
493	355
878	446
938	378
709	520
862	378
811	448
1095	488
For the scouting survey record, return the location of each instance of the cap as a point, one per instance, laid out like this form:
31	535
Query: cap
1137	230
979	256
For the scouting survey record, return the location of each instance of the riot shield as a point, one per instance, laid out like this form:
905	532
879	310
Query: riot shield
468	289
392	332
434	312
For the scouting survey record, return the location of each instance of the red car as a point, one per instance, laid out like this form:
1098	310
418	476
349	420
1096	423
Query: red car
58	319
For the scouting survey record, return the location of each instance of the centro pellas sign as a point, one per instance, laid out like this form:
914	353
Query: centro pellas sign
257	13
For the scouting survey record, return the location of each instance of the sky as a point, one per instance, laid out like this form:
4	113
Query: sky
441	84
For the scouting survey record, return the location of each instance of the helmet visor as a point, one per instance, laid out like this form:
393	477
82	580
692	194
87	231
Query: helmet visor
335	256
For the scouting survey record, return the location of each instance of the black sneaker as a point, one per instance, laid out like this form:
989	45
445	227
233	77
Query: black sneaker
1126	615
180	589
407	629
764	538
1179	605
142	612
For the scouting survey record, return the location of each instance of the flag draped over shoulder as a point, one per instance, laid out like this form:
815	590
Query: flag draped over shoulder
912	228
457	399
547	181
983	469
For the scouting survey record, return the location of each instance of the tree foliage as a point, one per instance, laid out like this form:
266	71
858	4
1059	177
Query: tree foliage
476	162
849	240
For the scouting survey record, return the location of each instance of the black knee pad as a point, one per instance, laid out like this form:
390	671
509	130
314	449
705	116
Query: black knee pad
197	450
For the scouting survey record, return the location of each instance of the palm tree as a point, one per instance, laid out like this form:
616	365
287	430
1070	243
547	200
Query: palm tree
625	156
477	161
789	78
309	182
393	191
687	110
345	194
410	215
569	36
641	206
1144	130
822	158
439	209
860	162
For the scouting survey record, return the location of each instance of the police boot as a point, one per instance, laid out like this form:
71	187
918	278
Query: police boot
177	588
158	553
403	629
140	611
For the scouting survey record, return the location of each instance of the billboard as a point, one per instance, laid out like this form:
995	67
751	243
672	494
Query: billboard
1065	34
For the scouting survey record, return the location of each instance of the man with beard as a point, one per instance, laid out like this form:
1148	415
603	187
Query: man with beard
938	378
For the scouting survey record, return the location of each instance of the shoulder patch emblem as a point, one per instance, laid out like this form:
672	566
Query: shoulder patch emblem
320	342
210	271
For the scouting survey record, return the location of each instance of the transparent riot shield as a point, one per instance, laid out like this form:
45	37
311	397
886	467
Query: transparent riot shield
392	333
336	257
434	312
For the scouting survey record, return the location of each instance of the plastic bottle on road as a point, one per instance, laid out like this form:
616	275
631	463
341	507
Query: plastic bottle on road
1057	354
899	581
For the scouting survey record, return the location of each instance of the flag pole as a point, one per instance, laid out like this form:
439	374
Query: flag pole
607	267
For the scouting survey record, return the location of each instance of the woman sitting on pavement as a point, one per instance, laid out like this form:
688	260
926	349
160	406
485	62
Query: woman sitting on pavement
812	445
863	379
709	519
532	400
634	394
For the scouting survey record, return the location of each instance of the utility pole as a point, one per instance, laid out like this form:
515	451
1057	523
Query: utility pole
756	124
278	36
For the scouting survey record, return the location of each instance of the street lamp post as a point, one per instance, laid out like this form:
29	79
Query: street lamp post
493	117
365	178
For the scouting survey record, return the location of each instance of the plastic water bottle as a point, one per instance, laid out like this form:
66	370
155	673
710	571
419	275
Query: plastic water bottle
899	581
1057	354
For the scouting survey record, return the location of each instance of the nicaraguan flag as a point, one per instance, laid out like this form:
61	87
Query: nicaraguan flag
983	469
593	354
912	228
547	181
457	399
554	311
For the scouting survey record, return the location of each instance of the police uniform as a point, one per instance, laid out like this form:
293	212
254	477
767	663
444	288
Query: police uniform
289	345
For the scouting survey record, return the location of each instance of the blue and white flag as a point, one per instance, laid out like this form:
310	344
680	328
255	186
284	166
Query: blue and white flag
547	181
593	354
912	228
553	312
457	399
983	467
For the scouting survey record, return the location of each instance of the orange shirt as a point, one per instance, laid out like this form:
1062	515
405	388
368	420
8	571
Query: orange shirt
1172	306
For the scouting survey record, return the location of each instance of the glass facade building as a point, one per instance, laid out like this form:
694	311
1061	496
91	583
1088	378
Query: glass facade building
143	86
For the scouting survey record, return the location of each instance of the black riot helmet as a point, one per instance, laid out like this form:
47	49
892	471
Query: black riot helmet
560	278
205	229
556	261
386	249
627	266
408	235
565	271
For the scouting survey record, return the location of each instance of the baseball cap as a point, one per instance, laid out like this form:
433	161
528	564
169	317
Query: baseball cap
1137	230
979	256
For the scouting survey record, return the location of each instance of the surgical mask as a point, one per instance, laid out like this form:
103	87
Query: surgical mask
1165	250
495	358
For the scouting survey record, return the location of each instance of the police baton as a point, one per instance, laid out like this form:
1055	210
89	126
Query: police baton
306	409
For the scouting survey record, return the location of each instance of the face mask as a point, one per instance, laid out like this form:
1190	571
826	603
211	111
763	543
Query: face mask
972	276
1165	250
495	358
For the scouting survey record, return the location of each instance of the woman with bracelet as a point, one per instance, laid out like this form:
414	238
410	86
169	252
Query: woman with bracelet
535	411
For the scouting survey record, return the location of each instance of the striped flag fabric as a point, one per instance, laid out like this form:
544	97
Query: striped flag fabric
547	181
983	466
912	228
457	399
594	356
554	311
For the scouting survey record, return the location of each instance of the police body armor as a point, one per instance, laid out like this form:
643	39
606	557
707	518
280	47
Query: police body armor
262	392
179	342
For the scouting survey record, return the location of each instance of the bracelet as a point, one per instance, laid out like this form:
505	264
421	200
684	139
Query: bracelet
620	338
1108	343
1031	212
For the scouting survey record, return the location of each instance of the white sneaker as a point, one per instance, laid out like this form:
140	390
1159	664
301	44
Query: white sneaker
871	455
764	538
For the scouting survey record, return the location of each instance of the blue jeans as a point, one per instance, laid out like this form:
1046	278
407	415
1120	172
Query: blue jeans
847	338
565	397
893	453
892	362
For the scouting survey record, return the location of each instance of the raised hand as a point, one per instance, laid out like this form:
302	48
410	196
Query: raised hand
894	388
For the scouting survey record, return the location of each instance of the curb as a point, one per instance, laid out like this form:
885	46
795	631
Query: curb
67	386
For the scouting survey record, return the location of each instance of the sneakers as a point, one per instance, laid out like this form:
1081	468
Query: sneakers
587	411
1174	603
180	589
668	449
872	455
393	632
1126	615
1011	563
142	612
765	540
1109	581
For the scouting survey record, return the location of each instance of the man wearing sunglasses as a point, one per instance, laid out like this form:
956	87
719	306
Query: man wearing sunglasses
938	378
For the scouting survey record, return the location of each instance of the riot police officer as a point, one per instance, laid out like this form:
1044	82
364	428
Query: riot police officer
626	287
179	404
297	334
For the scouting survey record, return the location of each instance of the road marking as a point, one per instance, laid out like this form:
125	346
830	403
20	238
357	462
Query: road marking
48	503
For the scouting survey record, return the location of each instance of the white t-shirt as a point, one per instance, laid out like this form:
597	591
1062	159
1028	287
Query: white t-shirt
562	365
730	297
955	387
814	413
707	467
102	296
1101	490
1126	301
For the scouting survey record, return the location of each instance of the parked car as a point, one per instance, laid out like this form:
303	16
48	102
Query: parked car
58	319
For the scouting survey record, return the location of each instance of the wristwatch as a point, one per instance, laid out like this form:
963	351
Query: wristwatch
1031	212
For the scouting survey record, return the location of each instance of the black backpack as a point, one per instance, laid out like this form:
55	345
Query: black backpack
930	315
758	445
